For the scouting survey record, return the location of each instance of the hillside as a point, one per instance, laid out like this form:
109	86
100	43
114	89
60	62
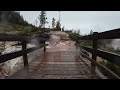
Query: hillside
13	17
14	28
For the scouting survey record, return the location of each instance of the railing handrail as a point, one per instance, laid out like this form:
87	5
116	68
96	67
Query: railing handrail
111	34
114	58
12	37
24	51
114	76
15	54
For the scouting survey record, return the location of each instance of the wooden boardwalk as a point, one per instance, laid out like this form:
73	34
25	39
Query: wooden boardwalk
57	65
63	61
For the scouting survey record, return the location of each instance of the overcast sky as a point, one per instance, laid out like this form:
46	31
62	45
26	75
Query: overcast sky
84	20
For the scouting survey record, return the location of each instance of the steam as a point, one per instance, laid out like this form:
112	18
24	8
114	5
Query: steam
116	43
3	19
34	42
57	42
4	22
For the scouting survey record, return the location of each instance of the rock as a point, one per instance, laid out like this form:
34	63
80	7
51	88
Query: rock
11	66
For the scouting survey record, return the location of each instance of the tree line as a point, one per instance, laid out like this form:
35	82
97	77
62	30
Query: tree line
13	17
42	18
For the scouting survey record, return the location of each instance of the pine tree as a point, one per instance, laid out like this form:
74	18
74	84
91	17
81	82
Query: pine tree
42	18
53	22
63	28
58	25
78	31
13	17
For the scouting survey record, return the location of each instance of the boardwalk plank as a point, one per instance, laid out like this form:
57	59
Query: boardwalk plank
57	65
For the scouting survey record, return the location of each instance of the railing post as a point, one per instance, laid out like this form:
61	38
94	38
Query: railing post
25	58
44	47
94	56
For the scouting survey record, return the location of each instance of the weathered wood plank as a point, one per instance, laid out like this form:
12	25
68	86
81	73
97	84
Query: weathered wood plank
55	70
9	37
25	58
110	34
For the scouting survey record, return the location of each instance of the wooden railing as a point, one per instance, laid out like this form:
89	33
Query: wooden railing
111	34
24	40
